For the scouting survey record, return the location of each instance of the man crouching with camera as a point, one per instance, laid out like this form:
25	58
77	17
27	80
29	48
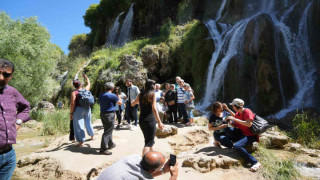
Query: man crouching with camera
152	164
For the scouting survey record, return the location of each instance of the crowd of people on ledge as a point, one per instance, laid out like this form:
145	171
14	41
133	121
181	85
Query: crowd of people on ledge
231	129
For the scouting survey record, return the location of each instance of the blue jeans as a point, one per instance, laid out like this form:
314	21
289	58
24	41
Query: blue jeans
239	146
183	110
190	114
81	117
223	139
7	164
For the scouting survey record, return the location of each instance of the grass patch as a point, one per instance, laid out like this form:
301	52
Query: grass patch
274	168
56	123
95	112
306	131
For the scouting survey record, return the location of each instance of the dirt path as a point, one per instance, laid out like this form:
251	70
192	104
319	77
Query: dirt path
69	159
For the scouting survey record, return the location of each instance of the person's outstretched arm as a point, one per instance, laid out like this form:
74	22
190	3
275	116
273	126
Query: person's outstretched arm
88	82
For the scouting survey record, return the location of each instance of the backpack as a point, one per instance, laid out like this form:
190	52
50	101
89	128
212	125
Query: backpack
85	98
259	125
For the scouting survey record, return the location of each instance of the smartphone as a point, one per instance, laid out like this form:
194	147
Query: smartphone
172	160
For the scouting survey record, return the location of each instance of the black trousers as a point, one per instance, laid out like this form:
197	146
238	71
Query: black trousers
118	113
108	123
173	113
71	135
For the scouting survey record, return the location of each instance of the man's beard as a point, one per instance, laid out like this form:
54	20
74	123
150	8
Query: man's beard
2	84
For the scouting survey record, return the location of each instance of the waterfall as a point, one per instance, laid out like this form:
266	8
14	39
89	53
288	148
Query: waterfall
303	69
229	40
218	16
63	78
125	31
113	31
215	75
85	65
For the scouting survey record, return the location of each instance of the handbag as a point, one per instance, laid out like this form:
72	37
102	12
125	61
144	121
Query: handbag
259	125
190	106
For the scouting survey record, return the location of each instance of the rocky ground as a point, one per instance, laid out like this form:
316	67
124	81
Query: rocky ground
193	145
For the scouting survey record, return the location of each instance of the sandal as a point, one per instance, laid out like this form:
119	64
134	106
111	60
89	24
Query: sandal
255	167
80	144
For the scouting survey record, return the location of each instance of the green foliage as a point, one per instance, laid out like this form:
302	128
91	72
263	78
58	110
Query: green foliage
185	11
306	130
27	44
79	46
54	123
274	168
95	112
192	51
166	29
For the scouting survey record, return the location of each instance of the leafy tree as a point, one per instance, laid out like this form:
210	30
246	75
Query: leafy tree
79	46
27	44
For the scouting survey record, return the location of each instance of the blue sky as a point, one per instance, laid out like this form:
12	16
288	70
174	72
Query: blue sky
62	18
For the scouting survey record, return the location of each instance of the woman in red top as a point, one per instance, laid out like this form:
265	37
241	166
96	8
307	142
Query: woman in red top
243	119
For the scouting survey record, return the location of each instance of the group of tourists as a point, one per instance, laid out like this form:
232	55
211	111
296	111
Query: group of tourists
231	129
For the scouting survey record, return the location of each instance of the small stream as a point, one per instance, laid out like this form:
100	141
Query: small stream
308	172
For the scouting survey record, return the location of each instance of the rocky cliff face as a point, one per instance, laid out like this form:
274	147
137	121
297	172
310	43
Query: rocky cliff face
268	53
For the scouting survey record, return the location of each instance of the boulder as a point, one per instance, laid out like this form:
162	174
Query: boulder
46	106
274	139
167	130
311	152
35	167
206	164
293	147
201	121
133	69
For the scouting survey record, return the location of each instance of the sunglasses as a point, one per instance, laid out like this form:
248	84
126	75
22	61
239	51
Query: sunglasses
6	75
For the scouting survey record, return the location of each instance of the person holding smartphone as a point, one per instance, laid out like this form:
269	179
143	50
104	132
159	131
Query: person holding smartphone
151	165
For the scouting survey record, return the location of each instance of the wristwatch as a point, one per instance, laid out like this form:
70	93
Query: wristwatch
18	121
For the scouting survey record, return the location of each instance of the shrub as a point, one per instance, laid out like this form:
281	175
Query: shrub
56	123
306	130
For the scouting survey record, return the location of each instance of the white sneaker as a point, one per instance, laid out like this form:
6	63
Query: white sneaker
133	127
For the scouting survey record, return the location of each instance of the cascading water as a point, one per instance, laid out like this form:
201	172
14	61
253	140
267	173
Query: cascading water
299	50
223	4
113	32
85	65
229	43
125	31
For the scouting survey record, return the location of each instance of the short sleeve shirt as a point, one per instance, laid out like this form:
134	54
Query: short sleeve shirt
247	114
108	102
217	121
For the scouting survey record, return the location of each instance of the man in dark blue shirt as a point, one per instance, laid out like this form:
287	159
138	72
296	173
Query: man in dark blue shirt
108	102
